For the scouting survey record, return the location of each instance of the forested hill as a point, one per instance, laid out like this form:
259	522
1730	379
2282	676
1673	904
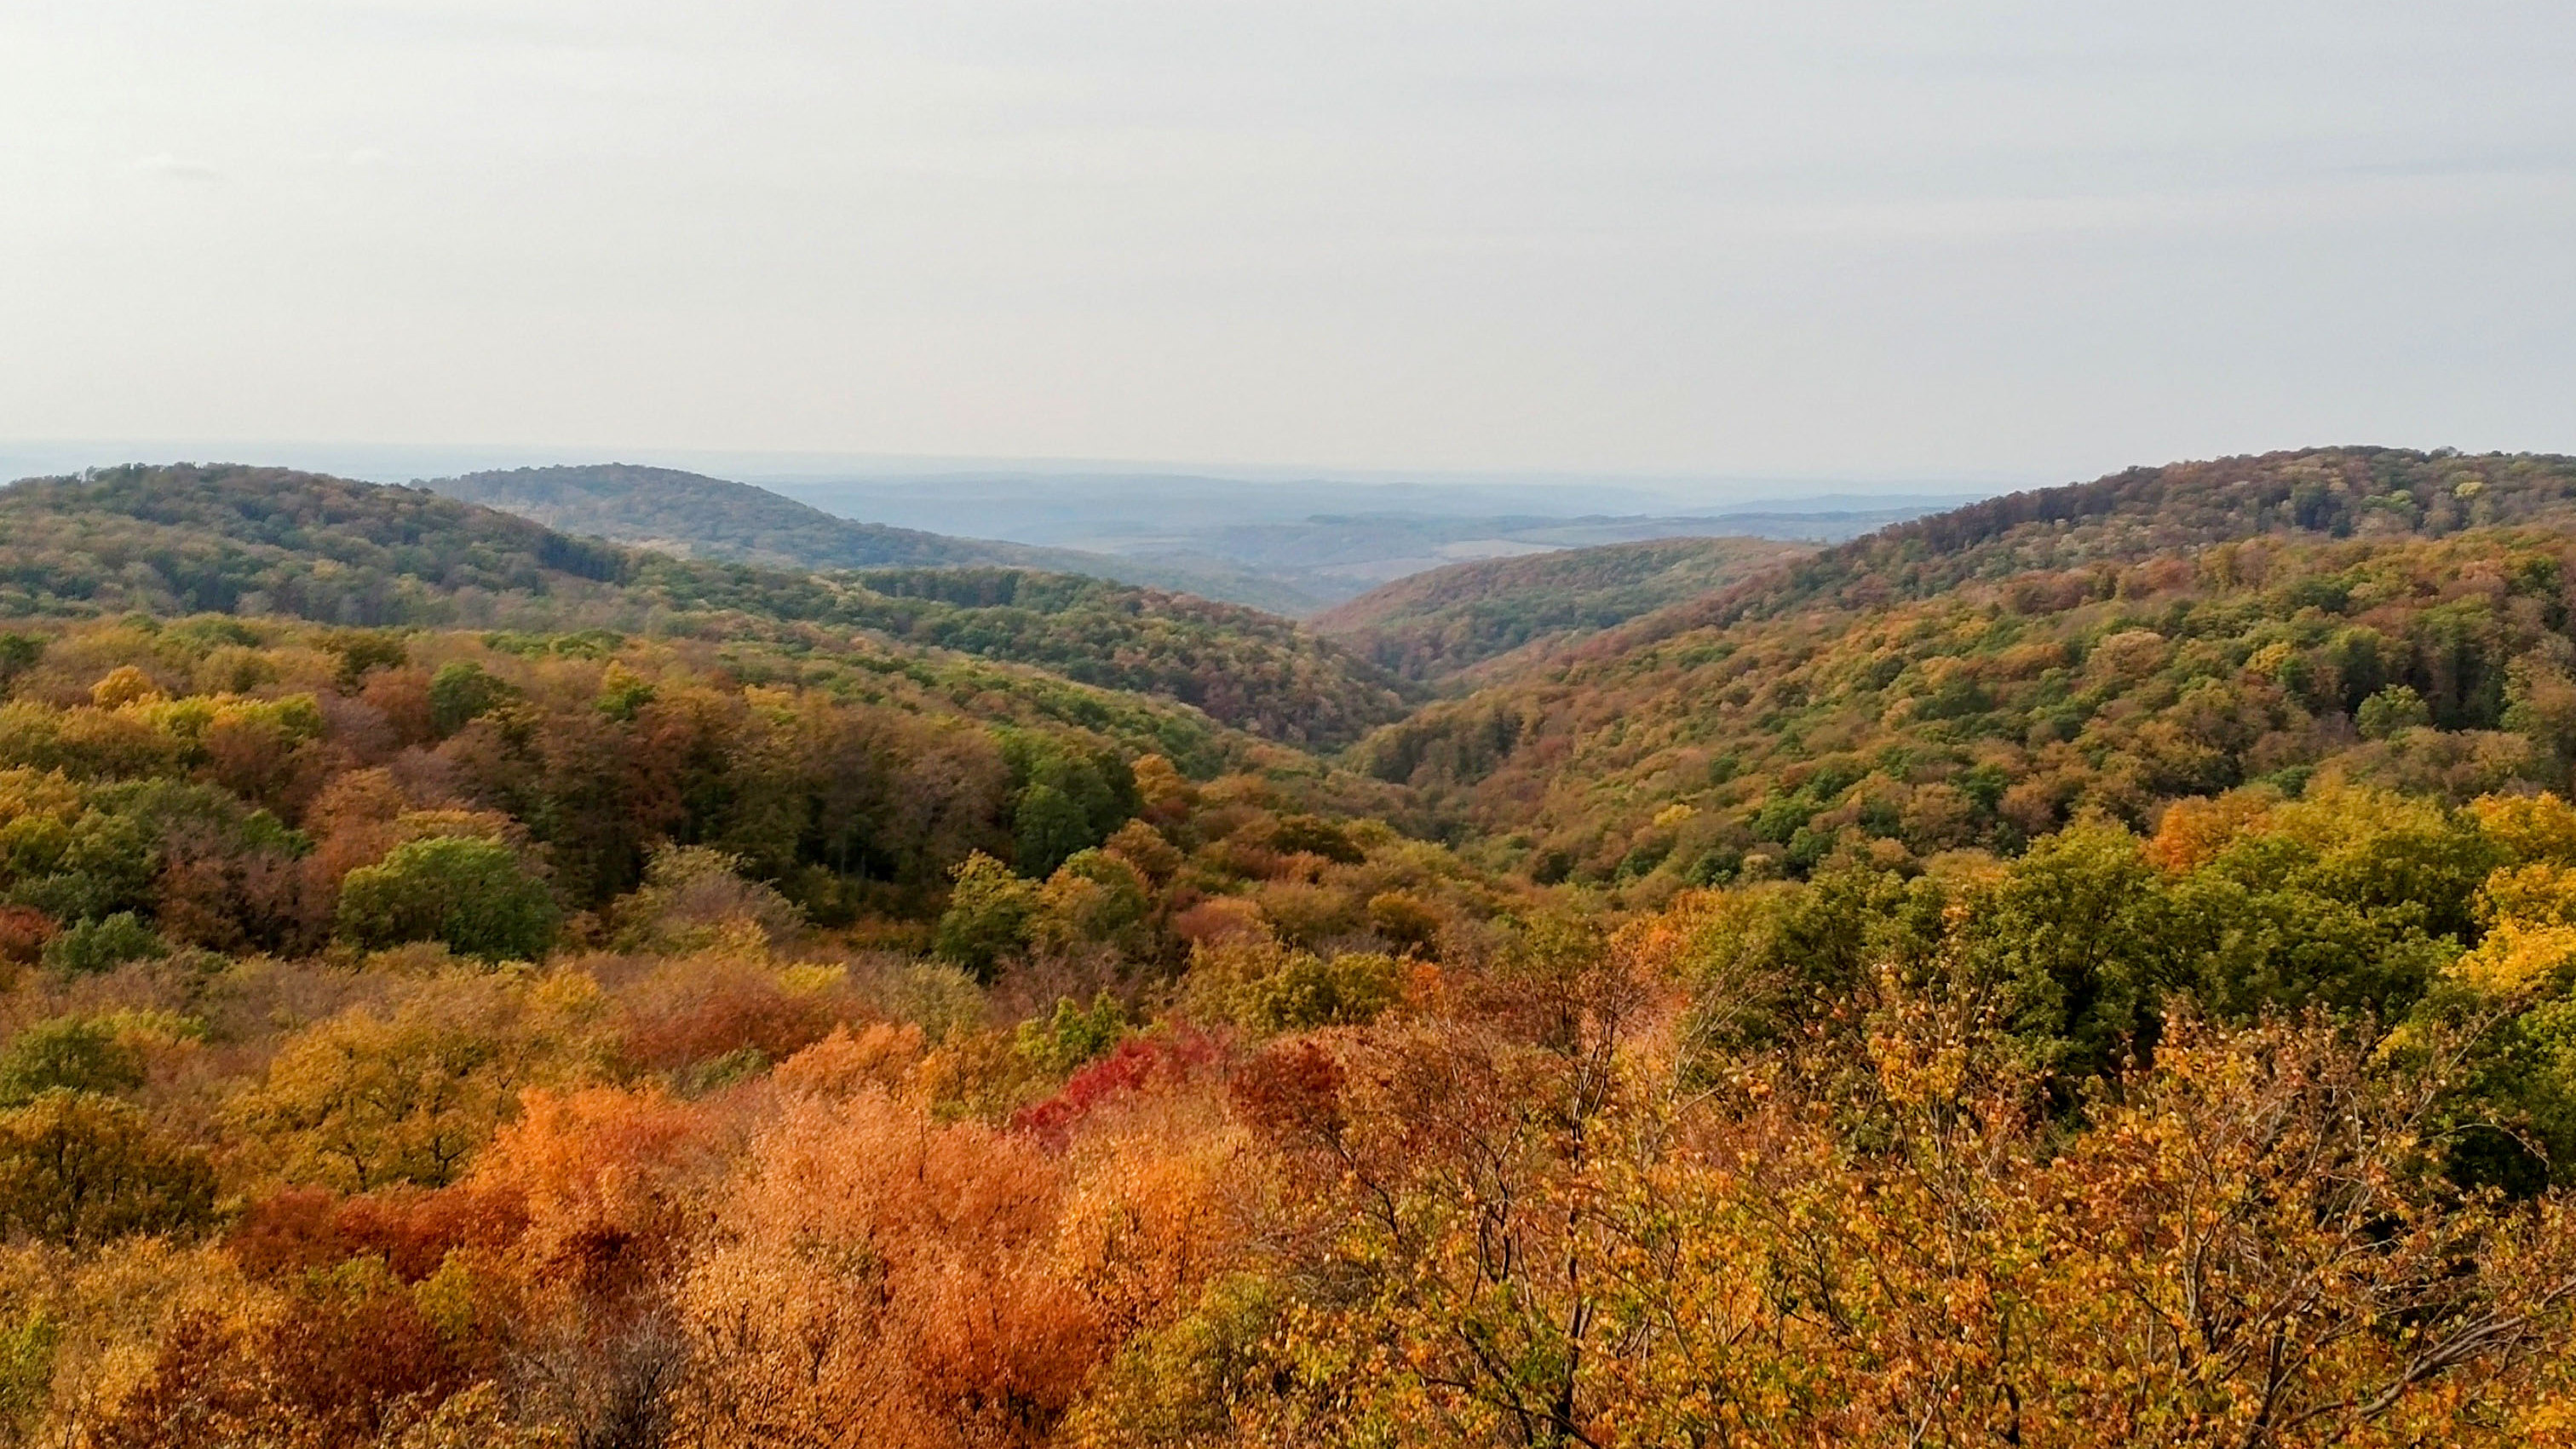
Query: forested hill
692	514
1431	626
649	1003
2370	493
225	539
1982	678
713	518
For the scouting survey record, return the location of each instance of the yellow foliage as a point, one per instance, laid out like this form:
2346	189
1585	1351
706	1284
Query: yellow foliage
25	792
370	1098
2517	956
2539	891
2533	827
107	1313
122	686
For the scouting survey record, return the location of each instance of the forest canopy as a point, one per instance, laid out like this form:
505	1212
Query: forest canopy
2129	997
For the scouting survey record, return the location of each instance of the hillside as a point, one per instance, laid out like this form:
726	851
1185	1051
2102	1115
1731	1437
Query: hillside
186	539
1433	625
2367	493
696	516
1982	677
622	1000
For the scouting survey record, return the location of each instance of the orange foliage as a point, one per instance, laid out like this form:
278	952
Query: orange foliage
2194	830
612	1184
845	1063
884	1279
1221	919
412	1230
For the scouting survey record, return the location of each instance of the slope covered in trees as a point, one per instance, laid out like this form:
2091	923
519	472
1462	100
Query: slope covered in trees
259	541
702	517
690	513
1433	625
714	1038
1976	680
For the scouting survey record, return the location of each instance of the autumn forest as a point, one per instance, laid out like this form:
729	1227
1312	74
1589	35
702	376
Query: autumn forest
2097	966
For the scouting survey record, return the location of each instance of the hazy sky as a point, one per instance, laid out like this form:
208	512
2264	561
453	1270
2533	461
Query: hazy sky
1984	239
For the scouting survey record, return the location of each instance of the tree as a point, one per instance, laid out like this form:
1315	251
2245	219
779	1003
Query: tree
76	1053
989	915
103	945
1094	898
461	692
880	1278
368	1098
1048	828
78	1168
474	895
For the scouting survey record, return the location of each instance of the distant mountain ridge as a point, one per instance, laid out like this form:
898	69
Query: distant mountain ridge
2349	492
695	515
702	517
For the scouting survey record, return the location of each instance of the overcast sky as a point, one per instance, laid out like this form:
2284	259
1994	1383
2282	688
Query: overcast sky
1992	240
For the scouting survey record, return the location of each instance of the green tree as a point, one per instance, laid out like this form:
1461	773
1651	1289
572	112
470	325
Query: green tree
1094	898
103	945
474	895
2083	944
1073	1035
18	654
989	916
2391	711
1311	991
1068	801
78	1053
1047	830
462	691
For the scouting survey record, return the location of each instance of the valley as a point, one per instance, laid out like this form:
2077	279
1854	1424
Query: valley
641	965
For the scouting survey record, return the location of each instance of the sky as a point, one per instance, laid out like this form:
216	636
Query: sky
2006	241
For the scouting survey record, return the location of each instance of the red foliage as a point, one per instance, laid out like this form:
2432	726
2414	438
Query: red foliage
1139	1063
411	1229
240	902
1290	1092
24	930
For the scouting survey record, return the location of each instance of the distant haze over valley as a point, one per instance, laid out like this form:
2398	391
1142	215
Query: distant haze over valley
1289	541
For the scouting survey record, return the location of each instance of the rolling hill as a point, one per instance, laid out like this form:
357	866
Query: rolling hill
1432	626
1981	677
224	539
461	984
693	515
696	516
